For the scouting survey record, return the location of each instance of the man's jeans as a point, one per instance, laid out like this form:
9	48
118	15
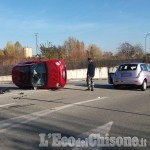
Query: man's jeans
90	82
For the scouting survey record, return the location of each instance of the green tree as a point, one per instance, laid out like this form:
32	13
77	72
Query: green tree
49	51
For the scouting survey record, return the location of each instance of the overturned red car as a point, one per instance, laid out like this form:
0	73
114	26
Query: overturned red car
50	74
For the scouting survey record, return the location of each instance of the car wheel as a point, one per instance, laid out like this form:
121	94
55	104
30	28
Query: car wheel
144	85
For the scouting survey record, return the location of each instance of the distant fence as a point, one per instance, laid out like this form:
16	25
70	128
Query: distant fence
100	63
7	69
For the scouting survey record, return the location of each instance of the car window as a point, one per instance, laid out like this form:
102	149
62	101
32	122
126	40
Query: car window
39	74
144	67
113	69
148	68
127	67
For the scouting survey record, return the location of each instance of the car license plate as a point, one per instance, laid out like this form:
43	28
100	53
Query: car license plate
127	74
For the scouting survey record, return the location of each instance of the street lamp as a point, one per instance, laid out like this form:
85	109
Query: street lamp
145	45
36	34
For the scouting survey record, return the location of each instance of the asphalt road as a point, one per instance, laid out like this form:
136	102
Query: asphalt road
46	119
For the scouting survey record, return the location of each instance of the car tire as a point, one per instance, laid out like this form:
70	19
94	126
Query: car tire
144	85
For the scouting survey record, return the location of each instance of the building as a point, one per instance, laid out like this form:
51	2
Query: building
27	52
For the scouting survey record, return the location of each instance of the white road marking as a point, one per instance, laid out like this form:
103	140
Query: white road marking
4	105
16	121
102	130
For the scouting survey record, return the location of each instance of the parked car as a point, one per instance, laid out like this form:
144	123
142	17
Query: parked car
40	74
137	74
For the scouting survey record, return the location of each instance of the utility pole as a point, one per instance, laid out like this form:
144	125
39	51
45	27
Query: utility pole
145	46
36	34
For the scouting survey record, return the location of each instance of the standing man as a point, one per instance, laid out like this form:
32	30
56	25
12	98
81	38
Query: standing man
90	74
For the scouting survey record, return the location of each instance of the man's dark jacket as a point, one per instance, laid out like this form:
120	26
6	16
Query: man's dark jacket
91	69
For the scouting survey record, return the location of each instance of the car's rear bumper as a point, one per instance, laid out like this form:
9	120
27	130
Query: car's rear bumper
135	81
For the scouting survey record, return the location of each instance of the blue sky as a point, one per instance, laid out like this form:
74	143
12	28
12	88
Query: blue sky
106	23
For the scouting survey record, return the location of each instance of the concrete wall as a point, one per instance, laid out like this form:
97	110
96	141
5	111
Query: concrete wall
5	79
100	73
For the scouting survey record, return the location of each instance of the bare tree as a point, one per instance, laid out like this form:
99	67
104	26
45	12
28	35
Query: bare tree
75	50
126	50
9	51
108	55
94	51
2	53
18	50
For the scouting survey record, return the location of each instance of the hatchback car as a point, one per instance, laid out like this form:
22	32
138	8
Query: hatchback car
40	74
137	74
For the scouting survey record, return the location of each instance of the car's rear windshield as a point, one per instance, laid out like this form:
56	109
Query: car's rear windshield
127	67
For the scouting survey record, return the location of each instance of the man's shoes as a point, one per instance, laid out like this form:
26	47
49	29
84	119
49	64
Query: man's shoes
88	89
